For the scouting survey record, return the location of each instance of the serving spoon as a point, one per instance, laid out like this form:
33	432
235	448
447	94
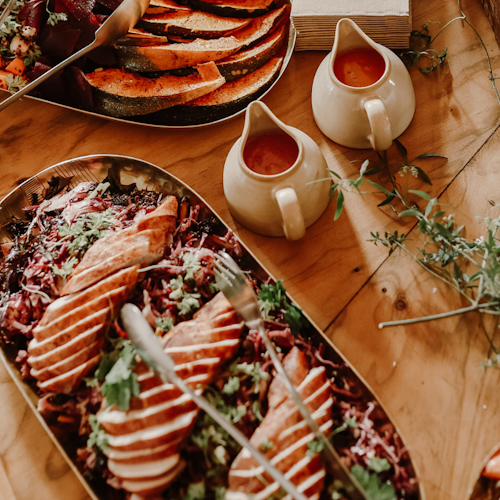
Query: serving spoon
116	25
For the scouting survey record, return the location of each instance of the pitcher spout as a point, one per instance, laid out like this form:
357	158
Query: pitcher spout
349	36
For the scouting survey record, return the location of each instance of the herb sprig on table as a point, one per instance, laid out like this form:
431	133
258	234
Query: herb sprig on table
420	50
470	267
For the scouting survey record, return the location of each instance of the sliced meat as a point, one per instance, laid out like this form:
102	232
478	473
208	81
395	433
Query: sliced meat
68	381
143	441
144	242
69	363
97	320
126	277
284	426
110	299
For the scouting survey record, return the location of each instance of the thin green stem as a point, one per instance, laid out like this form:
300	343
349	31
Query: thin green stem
438	316
462	17
490	68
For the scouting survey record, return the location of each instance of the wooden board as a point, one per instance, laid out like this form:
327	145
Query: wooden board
436	392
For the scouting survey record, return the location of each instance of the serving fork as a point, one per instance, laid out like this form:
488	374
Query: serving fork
116	25
233	284
7	10
151	352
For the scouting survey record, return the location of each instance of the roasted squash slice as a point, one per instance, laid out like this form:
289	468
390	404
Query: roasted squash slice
176	55
233	8
261	26
140	37
120	93
164	7
191	24
246	61
226	100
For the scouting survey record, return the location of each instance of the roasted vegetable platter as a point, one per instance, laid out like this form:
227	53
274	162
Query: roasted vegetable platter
185	64
85	235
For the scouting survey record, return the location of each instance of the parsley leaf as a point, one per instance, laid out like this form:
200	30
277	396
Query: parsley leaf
373	486
314	447
97	437
378	464
231	386
266	445
120	383
272	298
196	491
66	269
166	323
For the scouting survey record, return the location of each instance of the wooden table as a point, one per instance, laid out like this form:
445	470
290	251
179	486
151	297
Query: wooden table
427	375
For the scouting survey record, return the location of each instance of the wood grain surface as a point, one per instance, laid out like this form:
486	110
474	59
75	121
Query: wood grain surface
427	375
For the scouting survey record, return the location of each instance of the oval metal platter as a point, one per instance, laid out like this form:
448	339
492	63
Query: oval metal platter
143	120
486	488
148	176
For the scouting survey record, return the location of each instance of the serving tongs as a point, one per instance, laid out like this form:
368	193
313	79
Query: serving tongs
116	25
7	10
151	352
232	282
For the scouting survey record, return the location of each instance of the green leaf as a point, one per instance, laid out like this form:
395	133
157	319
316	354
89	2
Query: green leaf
266	445
340	205
386	201
97	437
373	486
430	155
334	173
364	166
196	491
424	176
373	171
166	323
314	447
378	465
402	150
438	214
409	213
379	187
422	194
231	386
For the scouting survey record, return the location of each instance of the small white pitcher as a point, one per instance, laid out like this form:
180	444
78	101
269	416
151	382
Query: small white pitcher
362	117
283	204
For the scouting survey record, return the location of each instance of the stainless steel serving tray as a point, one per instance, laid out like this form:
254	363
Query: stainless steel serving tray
146	176
143	120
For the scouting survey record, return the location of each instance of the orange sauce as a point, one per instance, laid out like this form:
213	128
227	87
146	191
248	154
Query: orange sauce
359	67
270	153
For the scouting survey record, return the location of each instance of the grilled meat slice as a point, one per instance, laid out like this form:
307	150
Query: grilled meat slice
143	441
284	427
142	243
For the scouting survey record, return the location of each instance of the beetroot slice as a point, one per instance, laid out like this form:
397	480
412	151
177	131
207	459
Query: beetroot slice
79	8
31	13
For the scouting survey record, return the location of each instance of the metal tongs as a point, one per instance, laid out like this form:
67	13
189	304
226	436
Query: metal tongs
152	353
7	10
231	281
116	25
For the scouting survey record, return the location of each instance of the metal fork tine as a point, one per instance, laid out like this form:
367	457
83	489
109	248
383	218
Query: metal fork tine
6	11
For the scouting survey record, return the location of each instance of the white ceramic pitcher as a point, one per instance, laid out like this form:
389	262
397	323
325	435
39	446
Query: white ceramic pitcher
362	117
283	204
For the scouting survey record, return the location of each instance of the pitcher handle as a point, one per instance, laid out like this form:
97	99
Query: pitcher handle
381	136
293	220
